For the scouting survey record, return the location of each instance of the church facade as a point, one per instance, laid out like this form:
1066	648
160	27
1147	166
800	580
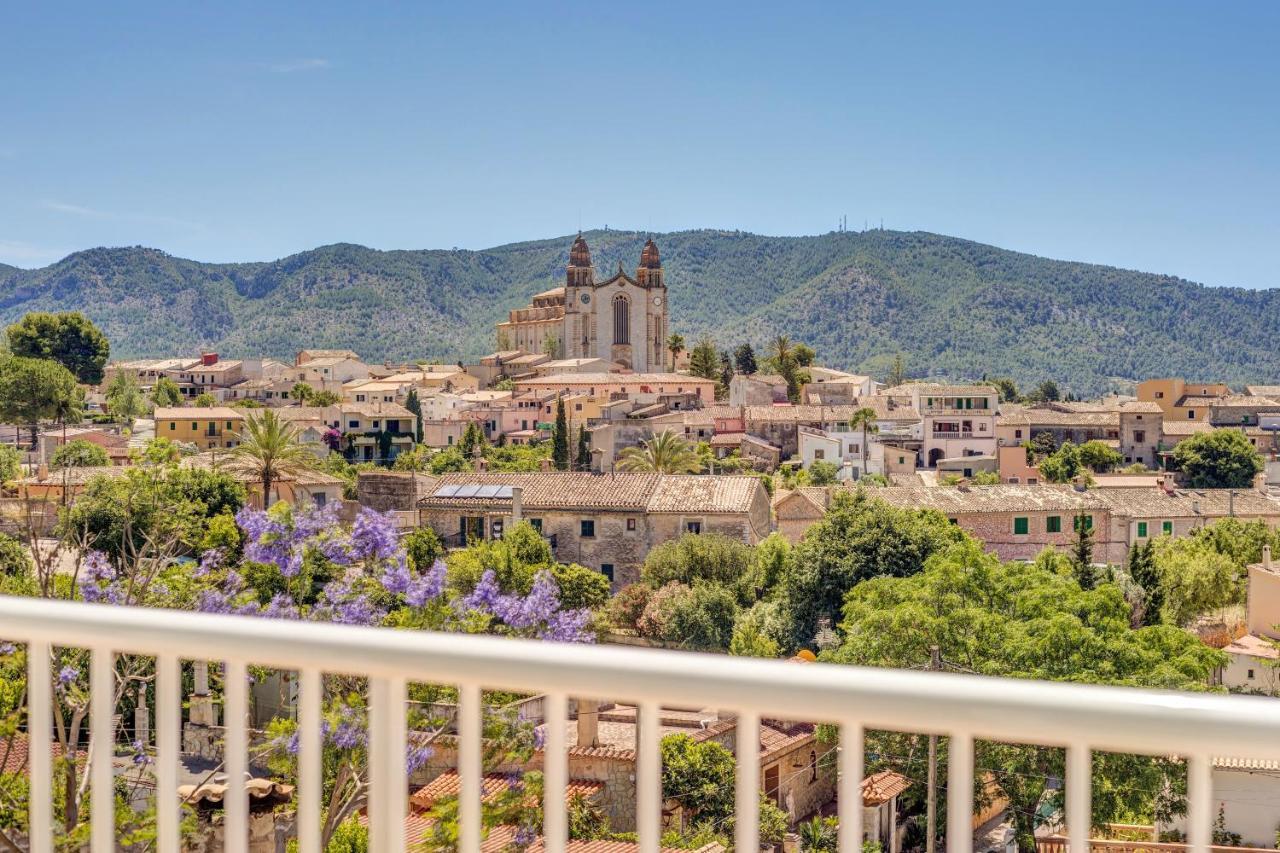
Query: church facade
622	319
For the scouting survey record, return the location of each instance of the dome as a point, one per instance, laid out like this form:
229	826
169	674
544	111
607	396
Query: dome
649	258
579	255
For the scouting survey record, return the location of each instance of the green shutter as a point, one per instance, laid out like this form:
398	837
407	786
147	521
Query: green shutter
1167	527
1053	524
1142	530
1020	525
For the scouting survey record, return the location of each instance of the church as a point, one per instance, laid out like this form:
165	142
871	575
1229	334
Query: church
622	320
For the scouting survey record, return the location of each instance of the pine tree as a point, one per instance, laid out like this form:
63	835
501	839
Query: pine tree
703	361
726	376
898	372
744	359
1142	570
472	440
584	451
414	405
560	438
1082	554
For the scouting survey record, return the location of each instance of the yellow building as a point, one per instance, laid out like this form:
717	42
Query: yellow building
1181	400
208	429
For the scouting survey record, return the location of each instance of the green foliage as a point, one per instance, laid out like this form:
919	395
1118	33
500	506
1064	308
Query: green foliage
413	404
580	586
788	360
665	452
1008	390
748	641
32	390
1219	459
68	338
166	393
560	438
703	360
473	440
204	400
14	559
10	463
125	402
1062	465
582	461
692	558
859	538
1086	574
823	473
1040	445
739	286
79	454
1195	579
1099	457
744	360
675	346
985	478
423	547
1046	392
699	776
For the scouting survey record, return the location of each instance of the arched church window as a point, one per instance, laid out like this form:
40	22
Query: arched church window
621	320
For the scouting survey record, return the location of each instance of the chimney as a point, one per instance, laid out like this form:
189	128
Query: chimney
517	505
545	465
1266	557
482	464
208	358
1165	483
42	473
1260	482
589	722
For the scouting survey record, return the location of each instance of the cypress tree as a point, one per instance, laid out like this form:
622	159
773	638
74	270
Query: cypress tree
412	403
560	438
584	452
1082	555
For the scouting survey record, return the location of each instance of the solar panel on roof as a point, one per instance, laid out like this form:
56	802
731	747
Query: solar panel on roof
488	491
467	491
504	492
445	492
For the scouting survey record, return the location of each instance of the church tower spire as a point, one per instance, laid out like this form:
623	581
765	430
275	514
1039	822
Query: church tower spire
649	273
580	272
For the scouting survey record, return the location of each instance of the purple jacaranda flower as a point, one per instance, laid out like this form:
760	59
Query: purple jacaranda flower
210	561
539	737
536	608
96	575
7	648
347	735
524	837
396	579
568	626
485	596
294	744
416	755
66	677
140	757
429	586
374	535
281	606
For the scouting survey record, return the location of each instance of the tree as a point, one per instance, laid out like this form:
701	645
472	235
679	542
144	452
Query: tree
1099	457
1041	444
699	776
1086	574
859	538
33	389
897	372
785	360
804	355
583	461
744	360
166	393
1008	390
68	338
10	463
703	361
1026	620
413	404
675	346
1142	570
822	472
560	438
1195	579
725	377
551	346
692	558
269	449
125	402
665	452
80	454
865	420
473	441
1046	392
204	400
326	398
1062	465
1220	459
302	393
14	560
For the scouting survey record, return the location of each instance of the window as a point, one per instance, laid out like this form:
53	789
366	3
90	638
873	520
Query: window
902	460
1017	433
319	498
587	528
968	472
819	454
621	320
353	424
495	528
1088	522
577	407
1250	675
536	524
377	424
631	524
1139	437
448	439
1166	528
1159	395
1021	526
694	527
1053	524
606	569
1191	414
471	527
173	425
359	398
1142	530
813	766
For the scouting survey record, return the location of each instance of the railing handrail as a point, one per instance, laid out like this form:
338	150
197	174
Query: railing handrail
1053	714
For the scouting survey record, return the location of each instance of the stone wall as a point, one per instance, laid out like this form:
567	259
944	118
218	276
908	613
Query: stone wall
388	490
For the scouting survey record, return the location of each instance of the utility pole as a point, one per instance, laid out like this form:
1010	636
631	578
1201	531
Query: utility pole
931	819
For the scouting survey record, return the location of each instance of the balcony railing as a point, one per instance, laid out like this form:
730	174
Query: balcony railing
1080	718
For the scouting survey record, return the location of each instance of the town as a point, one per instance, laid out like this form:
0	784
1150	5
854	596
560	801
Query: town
599	479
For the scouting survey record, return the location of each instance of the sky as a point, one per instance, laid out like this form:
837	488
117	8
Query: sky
1144	135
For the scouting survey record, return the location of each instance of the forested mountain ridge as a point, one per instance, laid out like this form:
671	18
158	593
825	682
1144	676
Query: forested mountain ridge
953	308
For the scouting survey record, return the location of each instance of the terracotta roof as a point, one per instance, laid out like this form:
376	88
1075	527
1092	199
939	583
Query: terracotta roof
195	413
1263	390
1187	503
621	491
314	354
1005	497
449	784
935	389
1185	428
704	493
14	753
616	379
1242	401
883	786
1254	646
1035	416
369	410
1228	763
260	790
828	414
73	476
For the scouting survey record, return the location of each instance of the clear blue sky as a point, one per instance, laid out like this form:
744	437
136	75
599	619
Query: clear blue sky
1145	135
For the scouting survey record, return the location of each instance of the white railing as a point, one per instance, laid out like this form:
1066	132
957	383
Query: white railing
1080	718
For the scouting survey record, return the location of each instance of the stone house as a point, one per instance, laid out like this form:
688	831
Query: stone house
644	388
115	445
758	389
1181	400
607	522
958	420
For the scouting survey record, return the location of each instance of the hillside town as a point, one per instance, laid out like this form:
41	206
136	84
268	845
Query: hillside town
599	478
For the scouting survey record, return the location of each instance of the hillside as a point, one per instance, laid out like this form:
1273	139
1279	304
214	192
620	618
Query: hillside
954	308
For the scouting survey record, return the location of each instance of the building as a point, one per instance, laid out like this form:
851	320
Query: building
622	320
207	428
607	522
758	389
897	422
959	420
1181	400
644	388
115	445
1133	428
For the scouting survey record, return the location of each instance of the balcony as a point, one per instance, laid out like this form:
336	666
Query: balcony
964	708
953	434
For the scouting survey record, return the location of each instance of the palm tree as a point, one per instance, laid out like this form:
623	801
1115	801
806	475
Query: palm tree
781	352
866	419
675	344
666	453
269	449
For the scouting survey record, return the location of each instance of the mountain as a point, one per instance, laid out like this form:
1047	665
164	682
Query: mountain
954	309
